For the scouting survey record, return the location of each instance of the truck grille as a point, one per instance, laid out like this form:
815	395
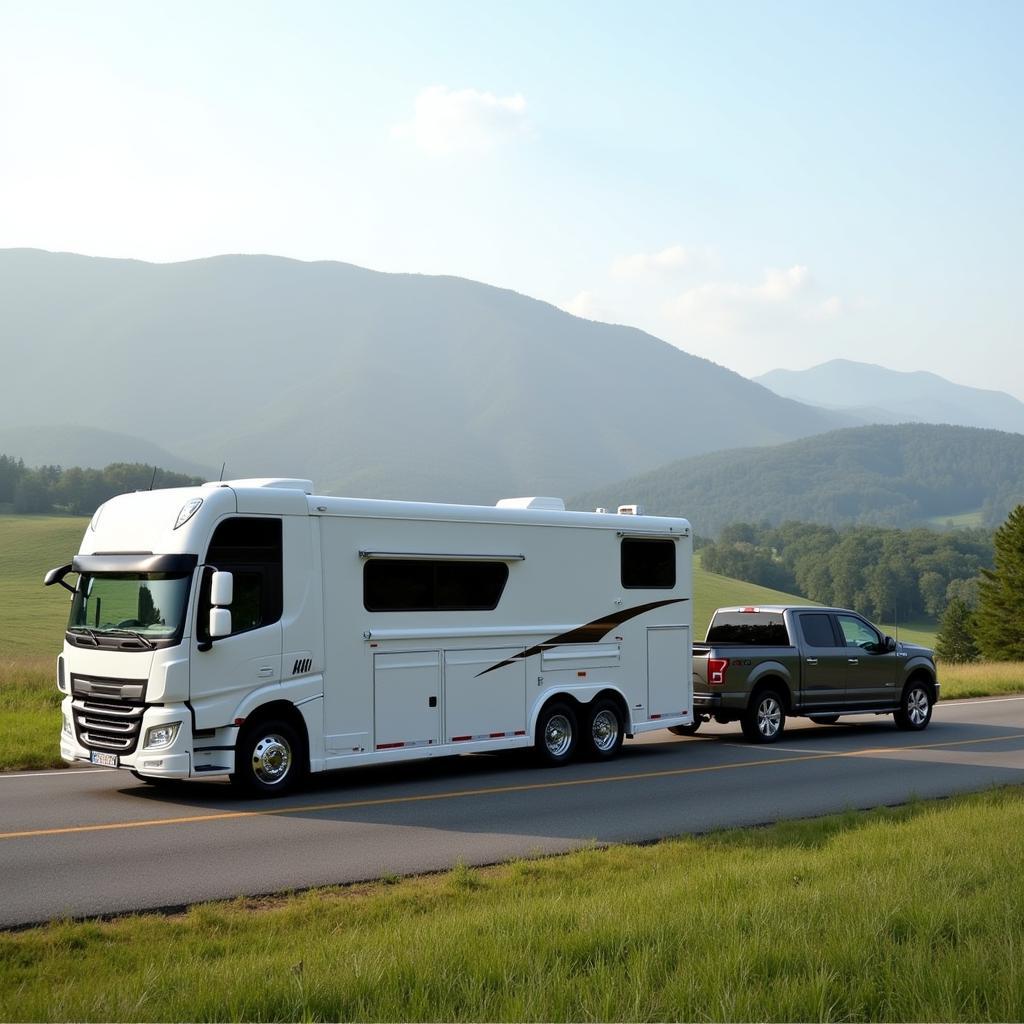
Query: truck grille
108	712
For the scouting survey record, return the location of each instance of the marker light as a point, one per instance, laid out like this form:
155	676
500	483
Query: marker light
188	510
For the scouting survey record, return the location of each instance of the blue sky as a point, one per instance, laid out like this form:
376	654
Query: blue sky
761	184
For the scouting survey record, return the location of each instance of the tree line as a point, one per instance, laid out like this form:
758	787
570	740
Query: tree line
883	573
77	491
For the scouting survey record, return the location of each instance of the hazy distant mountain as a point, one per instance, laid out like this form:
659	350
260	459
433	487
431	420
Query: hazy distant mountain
885	475
876	395
377	384
88	448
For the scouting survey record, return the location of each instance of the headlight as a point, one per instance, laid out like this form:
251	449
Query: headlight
65	725
161	735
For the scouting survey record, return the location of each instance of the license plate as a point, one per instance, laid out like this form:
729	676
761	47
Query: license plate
107	760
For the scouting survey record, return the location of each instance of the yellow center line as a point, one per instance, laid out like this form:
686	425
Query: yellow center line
346	805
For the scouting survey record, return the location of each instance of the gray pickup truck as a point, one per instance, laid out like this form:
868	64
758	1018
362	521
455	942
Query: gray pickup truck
759	665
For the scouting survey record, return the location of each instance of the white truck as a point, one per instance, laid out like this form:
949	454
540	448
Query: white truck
255	630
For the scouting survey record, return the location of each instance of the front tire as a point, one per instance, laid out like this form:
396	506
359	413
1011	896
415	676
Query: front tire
765	718
557	732
269	759
915	707
605	730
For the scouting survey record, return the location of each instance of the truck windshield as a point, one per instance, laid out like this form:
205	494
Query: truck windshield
149	604
763	629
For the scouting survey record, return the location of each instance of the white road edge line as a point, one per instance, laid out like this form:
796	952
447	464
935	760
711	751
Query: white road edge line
975	700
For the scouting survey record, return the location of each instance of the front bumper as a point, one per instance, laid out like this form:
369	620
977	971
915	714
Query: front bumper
178	760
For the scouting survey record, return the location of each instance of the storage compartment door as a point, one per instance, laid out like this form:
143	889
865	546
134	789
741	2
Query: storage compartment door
669	671
482	701
406	698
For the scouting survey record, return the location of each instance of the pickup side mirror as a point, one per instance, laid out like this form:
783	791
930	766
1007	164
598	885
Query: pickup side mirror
888	645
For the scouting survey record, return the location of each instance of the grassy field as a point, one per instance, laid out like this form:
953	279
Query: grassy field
963	521
33	616
873	916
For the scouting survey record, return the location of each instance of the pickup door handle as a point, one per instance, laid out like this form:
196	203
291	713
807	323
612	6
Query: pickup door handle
853	661
812	661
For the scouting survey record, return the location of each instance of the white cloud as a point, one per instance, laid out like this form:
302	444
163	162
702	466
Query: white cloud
780	299
668	261
453	120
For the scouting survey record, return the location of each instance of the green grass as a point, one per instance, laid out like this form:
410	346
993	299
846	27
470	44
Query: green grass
862	916
34	616
985	679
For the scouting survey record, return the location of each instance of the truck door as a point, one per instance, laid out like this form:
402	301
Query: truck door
823	666
220	675
872	671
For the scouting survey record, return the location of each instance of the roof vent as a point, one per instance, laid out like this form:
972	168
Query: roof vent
547	504
631	510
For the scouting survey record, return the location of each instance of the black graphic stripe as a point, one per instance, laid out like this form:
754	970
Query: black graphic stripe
590	633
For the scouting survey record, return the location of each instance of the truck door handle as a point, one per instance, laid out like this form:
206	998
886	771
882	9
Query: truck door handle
812	661
853	661
265	671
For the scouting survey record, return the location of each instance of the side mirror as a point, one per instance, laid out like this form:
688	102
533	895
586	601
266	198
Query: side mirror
222	590
220	623
889	644
57	576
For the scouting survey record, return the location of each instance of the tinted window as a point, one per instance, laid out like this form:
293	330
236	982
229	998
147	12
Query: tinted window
818	630
857	632
426	585
764	629
250	549
648	564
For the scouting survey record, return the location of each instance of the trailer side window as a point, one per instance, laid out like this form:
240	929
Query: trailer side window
250	549
432	585
648	564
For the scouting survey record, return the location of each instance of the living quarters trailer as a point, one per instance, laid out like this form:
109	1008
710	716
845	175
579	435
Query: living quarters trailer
255	630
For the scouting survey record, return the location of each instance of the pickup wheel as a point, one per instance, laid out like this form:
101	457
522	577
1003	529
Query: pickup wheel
765	718
915	707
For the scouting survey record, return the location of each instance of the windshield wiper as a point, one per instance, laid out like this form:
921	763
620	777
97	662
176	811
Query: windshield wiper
77	630
144	640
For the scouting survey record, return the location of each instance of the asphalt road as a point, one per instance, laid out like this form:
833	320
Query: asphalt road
92	841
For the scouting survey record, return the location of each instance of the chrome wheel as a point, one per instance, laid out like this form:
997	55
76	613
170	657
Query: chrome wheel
605	731
271	759
558	736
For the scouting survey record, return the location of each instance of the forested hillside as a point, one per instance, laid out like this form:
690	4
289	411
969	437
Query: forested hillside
898	476
75	490
887	574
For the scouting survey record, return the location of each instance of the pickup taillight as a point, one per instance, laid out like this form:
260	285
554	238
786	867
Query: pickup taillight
716	671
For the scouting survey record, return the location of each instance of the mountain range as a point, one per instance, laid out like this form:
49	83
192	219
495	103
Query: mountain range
905	475
873	394
390	385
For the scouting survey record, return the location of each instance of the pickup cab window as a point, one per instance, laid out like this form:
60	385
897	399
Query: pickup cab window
858	633
818	631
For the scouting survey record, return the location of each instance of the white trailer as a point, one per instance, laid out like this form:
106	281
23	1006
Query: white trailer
255	630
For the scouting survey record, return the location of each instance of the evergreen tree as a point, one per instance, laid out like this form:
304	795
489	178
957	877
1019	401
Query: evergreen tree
1000	615
955	641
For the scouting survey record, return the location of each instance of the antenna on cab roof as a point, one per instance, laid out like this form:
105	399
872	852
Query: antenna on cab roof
152	479
220	479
